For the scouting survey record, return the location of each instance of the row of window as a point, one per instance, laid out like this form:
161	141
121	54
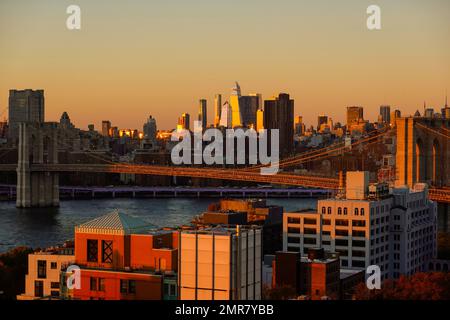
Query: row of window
126	286
344	211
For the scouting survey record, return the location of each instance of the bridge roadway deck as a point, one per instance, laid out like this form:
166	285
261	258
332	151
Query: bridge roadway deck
440	195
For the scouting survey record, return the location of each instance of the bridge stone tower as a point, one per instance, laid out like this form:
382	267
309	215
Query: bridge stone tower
423	151
38	144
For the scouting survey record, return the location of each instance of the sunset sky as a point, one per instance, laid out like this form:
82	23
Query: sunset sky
136	58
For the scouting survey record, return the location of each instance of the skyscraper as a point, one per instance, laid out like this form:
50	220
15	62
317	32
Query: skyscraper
236	117
259	119
25	106
354	115
385	113
217	109
183	121
322	119
279	114
249	105
226	115
299	125
202	113
106	128
150	129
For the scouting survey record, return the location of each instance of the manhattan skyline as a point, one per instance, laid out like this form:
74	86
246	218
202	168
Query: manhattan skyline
161	58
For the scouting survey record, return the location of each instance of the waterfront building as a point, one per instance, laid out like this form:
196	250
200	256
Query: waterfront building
121	258
368	225
220	263
42	280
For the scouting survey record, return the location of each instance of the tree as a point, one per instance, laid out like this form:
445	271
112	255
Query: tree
420	286
13	267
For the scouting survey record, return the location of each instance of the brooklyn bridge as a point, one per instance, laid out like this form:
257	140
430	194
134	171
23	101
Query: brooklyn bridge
423	155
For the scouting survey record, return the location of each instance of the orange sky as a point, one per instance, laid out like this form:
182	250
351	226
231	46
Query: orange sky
160	57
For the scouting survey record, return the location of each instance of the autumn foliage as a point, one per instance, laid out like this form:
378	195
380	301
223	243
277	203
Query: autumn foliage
421	286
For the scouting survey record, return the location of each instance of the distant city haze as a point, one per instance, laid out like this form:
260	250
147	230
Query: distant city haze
132	59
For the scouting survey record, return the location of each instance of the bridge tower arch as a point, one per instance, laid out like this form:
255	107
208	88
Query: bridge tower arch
38	144
436	163
423	151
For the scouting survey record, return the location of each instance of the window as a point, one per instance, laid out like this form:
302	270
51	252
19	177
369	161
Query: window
101	284
356	212
127	286
345	211
293	240
339	211
293	230
309	221
107	251
54	285
309	231
132	286
323	210
341	222
341	242
359	223
362	211
358	264
361	254
358	233
53	265
38	288
309	241
342	233
329	210
359	243
54	293
93	284
326	222
92	248
293	220
123	286
42	269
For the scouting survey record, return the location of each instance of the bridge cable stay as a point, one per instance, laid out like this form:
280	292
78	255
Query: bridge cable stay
318	154
433	131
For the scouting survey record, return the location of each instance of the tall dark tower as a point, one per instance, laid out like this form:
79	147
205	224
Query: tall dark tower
279	114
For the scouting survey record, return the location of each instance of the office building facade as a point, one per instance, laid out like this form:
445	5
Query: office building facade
220	264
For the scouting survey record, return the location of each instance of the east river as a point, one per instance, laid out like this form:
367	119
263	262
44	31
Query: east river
38	228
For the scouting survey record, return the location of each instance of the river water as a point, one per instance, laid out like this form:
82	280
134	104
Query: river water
39	228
